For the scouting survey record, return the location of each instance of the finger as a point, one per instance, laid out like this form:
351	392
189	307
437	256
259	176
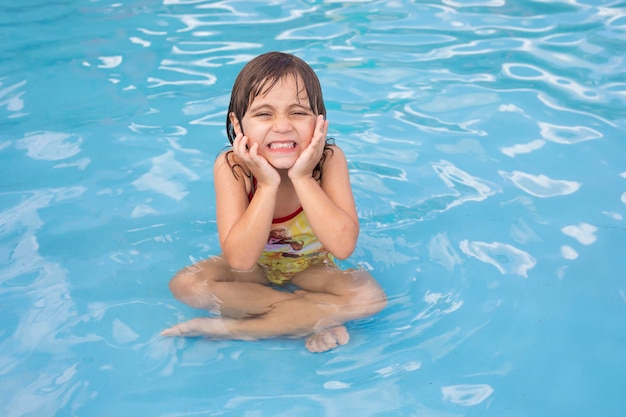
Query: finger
254	150
237	139
239	145
319	139
321	129
321	125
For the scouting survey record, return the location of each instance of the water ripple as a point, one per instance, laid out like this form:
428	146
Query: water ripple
11	98
506	258
567	134
162	177
467	395
584	233
541	185
51	146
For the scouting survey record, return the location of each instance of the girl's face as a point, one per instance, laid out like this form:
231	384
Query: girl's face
281	122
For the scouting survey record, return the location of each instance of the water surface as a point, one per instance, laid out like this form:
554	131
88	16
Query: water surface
486	146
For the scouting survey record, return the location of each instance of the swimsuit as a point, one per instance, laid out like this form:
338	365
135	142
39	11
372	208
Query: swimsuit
292	247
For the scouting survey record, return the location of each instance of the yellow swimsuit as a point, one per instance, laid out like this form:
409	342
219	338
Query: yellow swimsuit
292	247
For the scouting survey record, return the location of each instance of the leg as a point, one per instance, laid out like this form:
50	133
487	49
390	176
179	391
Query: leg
295	317
354	293
327	299
212	285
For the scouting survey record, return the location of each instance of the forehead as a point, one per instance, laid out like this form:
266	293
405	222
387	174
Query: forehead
288	86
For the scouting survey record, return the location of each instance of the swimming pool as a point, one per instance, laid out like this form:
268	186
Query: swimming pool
486	147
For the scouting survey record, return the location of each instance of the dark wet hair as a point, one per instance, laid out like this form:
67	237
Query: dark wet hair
259	76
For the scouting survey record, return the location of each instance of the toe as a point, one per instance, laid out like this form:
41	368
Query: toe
327	339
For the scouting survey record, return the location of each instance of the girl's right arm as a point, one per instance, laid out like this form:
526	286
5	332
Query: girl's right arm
243	225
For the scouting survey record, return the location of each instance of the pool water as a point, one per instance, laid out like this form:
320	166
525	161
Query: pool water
486	147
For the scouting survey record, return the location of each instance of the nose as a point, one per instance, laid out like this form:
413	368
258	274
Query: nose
282	123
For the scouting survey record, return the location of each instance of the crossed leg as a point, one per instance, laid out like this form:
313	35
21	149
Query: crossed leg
250	309
351	295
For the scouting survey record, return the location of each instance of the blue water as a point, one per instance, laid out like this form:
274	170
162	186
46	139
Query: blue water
486	142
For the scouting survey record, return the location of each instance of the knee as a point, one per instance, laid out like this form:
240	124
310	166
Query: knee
369	295
194	289
184	284
377	299
179	285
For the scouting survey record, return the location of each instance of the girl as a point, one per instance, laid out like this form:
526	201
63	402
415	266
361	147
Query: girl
285	213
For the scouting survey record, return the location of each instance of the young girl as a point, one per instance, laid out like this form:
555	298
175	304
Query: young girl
285	213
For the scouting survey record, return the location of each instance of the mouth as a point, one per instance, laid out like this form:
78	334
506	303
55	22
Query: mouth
288	145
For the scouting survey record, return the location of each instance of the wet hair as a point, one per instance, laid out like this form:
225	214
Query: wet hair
258	77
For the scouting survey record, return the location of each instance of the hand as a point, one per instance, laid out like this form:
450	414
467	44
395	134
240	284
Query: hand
260	168
311	155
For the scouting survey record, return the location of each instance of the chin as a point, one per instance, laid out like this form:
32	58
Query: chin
282	165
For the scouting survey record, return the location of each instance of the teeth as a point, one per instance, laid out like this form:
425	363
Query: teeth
282	145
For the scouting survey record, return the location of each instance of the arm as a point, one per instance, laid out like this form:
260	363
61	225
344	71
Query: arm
244	225
330	207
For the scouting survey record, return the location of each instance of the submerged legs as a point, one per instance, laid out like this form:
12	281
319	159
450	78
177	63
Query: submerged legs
251	309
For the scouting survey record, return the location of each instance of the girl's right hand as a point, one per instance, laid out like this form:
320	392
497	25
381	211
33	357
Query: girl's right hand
264	173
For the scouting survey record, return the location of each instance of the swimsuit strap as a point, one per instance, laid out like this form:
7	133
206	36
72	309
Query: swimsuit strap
279	219
287	217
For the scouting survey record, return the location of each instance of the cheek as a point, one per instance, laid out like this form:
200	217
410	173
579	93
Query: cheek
249	129
308	132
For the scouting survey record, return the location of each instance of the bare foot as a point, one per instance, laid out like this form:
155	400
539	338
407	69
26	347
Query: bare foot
211	327
327	339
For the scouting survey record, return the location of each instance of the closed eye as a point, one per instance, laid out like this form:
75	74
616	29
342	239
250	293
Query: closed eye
300	111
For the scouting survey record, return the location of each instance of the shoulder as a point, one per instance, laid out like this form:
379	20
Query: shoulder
335	167
334	155
227	161
229	169
334	147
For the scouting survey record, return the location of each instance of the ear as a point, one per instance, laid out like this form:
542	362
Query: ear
235	123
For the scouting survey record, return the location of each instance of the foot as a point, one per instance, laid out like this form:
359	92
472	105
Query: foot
327	339
211	327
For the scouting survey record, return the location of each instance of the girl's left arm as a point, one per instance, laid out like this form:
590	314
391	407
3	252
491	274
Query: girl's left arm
329	206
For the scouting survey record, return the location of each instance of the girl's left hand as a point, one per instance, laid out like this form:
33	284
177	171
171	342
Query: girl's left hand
311	155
